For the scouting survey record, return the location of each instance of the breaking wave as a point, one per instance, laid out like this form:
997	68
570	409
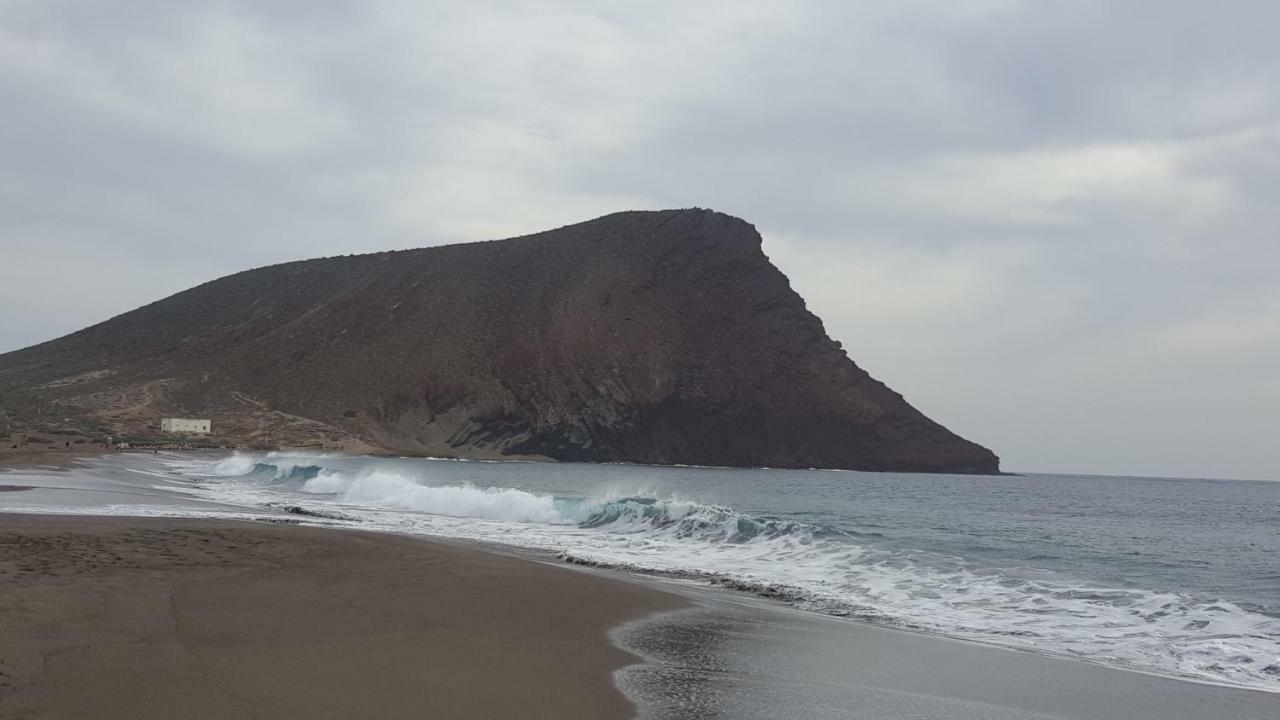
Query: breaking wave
394	491
246	466
669	517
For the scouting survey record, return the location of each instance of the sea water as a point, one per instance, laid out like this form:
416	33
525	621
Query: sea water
1171	576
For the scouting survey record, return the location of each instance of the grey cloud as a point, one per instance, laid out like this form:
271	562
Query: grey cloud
1049	225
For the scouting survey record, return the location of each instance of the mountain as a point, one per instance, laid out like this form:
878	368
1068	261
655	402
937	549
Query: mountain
649	337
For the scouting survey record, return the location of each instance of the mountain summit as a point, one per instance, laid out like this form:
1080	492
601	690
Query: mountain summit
649	337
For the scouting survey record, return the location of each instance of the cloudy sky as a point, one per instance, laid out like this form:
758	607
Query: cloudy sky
1052	226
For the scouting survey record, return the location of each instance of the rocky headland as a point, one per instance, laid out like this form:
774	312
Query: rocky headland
649	337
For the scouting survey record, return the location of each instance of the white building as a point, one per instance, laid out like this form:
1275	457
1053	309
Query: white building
185	425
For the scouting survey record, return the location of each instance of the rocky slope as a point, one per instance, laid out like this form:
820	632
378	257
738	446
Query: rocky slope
651	337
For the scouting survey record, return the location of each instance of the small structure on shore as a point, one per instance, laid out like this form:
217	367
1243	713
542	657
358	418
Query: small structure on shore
189	426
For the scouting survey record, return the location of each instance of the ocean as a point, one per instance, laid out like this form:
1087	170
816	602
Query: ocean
1175	577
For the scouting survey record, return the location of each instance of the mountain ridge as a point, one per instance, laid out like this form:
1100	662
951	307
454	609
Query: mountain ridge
662	337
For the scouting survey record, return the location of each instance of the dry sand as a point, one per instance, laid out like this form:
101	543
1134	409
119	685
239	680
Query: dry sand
162	618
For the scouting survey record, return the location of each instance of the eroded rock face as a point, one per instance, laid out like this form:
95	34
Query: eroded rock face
651	337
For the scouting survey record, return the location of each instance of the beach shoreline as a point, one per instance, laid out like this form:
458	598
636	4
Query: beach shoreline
40	458
735	655
664	647
153	617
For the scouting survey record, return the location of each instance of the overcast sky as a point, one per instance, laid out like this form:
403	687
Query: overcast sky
1051	226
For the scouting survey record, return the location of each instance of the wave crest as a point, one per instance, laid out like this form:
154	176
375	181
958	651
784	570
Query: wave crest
395	491
679	520
269	468
662	517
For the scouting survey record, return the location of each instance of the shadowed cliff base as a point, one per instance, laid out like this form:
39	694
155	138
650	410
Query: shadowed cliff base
651	337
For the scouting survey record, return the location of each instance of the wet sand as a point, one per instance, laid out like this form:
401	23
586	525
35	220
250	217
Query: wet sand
750	659
44	458
163	618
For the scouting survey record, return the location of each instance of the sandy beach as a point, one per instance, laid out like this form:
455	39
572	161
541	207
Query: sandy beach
159	618
31	458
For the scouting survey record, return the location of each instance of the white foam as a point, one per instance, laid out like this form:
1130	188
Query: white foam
380	489
233	466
